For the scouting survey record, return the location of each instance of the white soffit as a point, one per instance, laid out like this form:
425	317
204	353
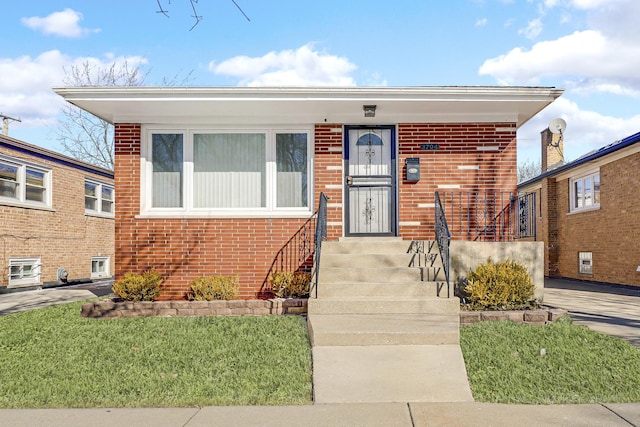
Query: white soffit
244	105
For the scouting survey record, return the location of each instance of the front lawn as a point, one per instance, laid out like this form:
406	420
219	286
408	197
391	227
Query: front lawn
52	357
557	363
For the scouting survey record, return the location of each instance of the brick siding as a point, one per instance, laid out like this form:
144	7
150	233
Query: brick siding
183	249
63	237
611	233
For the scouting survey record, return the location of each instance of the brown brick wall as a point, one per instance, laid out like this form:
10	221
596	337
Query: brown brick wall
611	233
183	249
62	237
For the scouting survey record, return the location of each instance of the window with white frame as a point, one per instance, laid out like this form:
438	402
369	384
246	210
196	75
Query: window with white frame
585	263
209	172
23	183
24	271
100	266
585	192
98	197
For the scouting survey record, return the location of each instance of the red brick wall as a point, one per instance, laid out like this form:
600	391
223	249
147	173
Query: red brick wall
183	249
490	146
63	237
329	175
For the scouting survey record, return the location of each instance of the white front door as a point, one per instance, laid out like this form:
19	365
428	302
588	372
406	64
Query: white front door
370	180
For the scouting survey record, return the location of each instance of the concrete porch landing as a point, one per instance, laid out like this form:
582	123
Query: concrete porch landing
395	373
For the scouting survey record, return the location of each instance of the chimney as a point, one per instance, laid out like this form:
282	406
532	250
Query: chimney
552	150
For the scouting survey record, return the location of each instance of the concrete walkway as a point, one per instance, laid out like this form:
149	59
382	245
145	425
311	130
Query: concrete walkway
610	310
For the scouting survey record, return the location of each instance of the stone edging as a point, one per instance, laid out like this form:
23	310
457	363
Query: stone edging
110	309
533	317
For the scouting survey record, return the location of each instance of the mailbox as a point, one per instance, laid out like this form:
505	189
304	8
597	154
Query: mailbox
413	169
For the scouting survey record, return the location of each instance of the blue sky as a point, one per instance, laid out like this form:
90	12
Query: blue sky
589	48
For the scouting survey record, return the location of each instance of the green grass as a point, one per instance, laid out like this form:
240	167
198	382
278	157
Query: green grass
505	365
52	357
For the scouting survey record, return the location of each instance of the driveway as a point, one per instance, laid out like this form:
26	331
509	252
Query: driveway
30	300
610	309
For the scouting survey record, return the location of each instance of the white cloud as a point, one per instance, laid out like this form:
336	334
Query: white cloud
602	58
301	67
25	87
533	29
591	4
64	24
582	58
481	22
586	130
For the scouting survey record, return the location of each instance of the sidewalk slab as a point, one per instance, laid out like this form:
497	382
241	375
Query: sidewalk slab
102	417
500	415
399	373
628	411
352	415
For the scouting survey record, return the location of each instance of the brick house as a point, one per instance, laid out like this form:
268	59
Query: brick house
222	180
56	218
586	217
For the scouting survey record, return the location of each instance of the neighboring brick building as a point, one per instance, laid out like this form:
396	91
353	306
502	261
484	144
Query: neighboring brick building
588	212
221	180
56	213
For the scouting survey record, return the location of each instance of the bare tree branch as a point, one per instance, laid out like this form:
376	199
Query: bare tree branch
529	169
195	15
81	134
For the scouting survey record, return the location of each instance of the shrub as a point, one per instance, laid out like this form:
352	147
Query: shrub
138	287
504	285
285	284
214	288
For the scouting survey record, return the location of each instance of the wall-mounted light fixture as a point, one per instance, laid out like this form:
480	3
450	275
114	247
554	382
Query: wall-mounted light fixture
369	110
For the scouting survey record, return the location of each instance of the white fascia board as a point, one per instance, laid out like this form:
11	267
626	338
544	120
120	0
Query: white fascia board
310	105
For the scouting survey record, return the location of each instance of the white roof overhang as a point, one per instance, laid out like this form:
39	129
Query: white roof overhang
288	105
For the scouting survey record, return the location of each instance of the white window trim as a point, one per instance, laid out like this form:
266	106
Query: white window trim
107	273
98	211
36	266
593	206
21	200
188	211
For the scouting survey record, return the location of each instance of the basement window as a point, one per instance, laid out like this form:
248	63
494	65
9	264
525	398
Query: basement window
585	263
24	271
99	266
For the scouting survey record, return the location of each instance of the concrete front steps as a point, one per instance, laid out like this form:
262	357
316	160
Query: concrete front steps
379	330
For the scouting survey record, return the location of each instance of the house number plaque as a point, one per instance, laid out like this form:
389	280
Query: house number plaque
430	147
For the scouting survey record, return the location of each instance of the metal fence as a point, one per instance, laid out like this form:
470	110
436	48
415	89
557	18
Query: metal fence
489	215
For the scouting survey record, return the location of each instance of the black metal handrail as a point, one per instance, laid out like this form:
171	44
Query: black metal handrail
295	255
443	238
320	234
